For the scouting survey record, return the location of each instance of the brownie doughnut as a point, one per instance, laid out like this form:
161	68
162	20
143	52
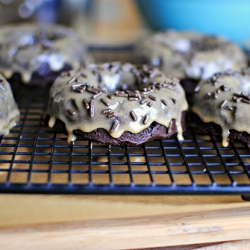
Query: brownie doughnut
36	53
115	103
9	113
222	103
191	56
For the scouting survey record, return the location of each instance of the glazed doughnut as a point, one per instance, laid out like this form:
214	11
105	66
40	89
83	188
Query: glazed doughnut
38	53
191	56
9	113
114	103
222	103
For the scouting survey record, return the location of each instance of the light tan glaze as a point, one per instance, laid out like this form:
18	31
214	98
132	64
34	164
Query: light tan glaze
224	99
9	113
24	47
191	55
160	99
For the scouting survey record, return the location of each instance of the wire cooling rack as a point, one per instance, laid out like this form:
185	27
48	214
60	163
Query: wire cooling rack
37	159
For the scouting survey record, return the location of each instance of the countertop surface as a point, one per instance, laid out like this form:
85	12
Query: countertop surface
123	222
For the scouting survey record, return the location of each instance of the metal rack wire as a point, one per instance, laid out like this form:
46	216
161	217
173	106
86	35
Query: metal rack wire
37	159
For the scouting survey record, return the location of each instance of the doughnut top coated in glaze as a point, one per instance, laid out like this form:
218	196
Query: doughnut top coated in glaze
224	99
9	113
116	97
191	55
25	47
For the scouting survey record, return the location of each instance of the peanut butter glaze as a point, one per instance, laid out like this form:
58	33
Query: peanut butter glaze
116	97
224	99
25	47
9	113
191	55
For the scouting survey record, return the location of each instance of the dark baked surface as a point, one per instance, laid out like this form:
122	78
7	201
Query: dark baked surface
215	129
189	85
41	77
154	131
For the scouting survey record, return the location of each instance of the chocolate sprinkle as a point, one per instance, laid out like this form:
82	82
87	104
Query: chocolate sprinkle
106	111
245	101
76	86
236	99
111	96
86	103
164	102
153	98
223	88
143	101
145	119
132	94
149	104
243	95
71	111
171	88
72	80
207	96
119	94
138	94
96	95
215	95
174	100
133	98
105	102
114	126
80	89
223	103
92	90
92	108
133	116
110	115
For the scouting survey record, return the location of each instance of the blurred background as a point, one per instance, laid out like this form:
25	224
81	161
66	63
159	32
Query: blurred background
125	21
97	21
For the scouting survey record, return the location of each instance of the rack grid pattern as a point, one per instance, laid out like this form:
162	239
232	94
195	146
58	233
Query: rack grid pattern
37	159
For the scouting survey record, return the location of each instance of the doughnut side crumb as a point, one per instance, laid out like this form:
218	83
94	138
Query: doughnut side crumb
216	130
153	132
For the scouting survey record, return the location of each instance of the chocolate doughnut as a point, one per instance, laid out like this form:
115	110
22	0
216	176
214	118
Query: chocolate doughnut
222	103
9	113
191	56
36	53
114	103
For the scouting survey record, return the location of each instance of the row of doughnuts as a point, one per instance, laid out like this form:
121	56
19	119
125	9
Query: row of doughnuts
214	72
118	103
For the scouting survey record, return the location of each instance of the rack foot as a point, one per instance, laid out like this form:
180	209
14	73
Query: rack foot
246	197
